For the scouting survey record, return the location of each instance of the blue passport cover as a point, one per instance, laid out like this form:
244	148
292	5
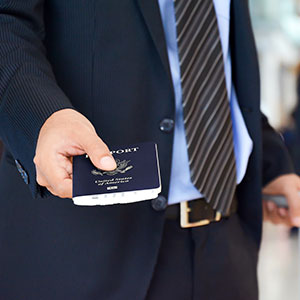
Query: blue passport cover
137	169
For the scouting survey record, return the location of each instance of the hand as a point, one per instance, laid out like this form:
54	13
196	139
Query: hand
67	133
288	186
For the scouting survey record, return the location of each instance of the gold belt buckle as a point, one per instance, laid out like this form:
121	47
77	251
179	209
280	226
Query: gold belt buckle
184	217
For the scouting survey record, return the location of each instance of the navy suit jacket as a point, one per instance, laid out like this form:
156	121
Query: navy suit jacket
108	60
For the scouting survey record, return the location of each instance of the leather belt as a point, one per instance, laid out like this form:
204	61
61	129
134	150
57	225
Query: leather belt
196	212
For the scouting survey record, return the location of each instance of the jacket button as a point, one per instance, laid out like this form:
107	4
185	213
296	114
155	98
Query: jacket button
22	172
166	125
159	203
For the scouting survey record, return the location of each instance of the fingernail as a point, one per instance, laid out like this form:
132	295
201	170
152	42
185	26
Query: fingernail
270	206
282	212
107	163
296	221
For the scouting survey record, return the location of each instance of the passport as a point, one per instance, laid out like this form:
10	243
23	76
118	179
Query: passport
136	178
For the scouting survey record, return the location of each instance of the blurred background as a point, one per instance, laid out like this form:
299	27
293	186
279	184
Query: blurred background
277	31
276	26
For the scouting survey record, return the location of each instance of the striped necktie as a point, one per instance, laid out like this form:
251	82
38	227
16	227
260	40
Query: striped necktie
206	110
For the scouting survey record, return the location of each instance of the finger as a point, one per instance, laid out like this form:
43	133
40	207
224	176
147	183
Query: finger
293	200
64	193
55	174
65	163
63	189
272	213
275	218
282	212
42	181
40	178
283	216
59	180
268	210
270	206
98	152
265	212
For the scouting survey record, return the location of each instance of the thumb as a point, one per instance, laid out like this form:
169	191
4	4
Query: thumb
98	152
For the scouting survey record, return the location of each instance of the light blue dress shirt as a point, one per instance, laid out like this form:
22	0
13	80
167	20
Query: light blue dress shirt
181	187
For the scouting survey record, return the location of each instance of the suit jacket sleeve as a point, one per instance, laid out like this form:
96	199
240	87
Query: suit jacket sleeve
276	159
29	93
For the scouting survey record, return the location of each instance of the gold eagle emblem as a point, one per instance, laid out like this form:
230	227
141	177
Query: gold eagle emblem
122	167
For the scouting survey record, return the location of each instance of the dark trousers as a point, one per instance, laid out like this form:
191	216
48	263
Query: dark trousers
213	262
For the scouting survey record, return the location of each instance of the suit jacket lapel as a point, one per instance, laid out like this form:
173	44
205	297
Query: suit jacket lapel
151	13
244	57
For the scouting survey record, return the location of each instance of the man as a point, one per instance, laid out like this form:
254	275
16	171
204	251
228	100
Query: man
75	71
